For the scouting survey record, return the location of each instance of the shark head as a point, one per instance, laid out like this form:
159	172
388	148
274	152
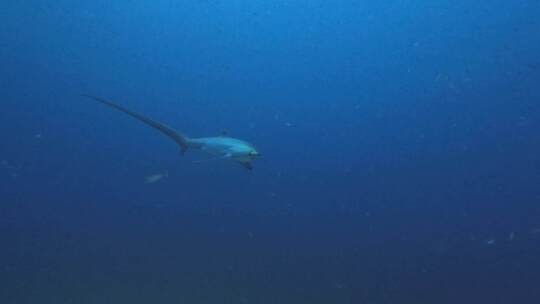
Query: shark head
227	148
245	153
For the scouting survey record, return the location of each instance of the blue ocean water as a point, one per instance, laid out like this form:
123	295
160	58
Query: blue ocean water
399	139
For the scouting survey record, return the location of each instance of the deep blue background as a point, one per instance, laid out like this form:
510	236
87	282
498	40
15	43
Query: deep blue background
400	141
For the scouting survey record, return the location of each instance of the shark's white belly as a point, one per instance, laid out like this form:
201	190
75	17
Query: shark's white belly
225	147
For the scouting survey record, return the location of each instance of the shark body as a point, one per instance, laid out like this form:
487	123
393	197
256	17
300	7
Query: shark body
221	147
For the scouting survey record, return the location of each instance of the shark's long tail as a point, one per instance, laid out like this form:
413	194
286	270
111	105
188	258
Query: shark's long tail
180	139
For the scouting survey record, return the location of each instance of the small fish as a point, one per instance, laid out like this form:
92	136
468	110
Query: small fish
155	178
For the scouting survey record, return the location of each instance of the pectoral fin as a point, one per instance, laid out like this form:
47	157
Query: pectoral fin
246	165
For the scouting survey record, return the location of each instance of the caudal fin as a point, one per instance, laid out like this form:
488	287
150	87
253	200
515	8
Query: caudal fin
180	139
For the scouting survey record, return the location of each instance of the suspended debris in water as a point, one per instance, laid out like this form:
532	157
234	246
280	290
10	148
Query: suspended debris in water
7	165
155	178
